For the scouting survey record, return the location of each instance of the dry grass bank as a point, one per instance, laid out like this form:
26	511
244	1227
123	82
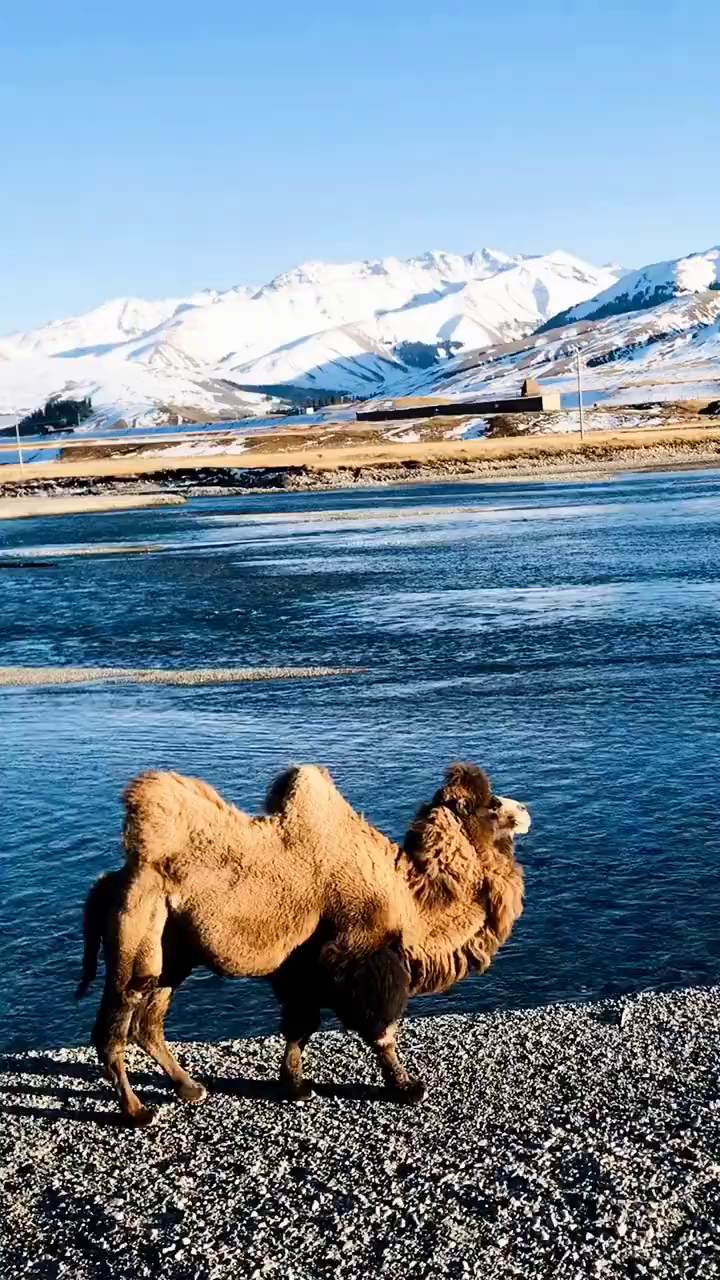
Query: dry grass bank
596	447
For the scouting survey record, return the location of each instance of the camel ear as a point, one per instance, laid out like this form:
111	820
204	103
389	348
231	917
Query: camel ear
413	841
466	788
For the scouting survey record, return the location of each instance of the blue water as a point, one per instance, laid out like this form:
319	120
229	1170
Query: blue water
567	636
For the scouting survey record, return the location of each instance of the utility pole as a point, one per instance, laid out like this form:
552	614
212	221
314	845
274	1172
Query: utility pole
580	403
17	437
578	367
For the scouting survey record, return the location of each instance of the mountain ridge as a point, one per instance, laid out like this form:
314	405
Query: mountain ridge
648	287
335	327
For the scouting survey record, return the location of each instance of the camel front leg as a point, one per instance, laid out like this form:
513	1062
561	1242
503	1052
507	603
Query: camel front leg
298	1025
403	1086
370	995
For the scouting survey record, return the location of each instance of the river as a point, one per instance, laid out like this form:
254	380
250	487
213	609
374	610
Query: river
564	635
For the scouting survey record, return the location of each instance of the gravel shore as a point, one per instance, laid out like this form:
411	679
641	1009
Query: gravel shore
570	1141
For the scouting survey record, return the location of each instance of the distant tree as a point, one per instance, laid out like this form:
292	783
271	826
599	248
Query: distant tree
418	355
56	415
421	355
449	347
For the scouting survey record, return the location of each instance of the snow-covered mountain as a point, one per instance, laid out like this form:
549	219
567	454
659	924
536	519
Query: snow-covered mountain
489	309
323	327
648	287
668	352
113	323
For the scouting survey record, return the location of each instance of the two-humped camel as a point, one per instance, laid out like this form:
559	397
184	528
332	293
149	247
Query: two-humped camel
309	894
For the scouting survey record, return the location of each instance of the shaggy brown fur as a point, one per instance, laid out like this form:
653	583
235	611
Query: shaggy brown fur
310	894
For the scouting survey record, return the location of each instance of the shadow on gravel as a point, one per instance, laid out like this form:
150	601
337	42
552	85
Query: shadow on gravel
105	1119
54	1091
55	1077
52	1073
355	1092
271	1090
52	1069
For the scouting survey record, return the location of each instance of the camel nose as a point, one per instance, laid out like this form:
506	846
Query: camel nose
522	818
514	815
526	821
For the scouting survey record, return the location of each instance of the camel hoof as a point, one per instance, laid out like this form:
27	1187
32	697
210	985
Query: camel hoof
410	1093
297	1090
192	1093
141	1118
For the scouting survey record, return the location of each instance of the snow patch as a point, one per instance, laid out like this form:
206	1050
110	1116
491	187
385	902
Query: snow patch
475	429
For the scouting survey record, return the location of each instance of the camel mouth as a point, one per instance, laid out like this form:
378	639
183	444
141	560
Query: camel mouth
512	815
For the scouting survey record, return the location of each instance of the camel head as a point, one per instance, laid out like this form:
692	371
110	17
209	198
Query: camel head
467	792
512	816
453	836
460	864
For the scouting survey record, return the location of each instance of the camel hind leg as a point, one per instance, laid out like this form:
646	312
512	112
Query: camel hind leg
133	965
148	1030
295	985
110	1036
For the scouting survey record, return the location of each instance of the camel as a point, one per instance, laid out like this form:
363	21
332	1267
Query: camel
310	895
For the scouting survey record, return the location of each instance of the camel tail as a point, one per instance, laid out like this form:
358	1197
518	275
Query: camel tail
99	903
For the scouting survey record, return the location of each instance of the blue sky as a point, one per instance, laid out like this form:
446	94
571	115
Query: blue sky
157	148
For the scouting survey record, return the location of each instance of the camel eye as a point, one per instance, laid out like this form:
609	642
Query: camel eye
494	804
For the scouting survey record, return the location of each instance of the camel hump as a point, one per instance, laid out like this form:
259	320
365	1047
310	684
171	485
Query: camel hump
306	789
159	812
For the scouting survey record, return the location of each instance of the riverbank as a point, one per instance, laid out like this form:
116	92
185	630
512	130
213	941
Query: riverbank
345	466
565	1141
